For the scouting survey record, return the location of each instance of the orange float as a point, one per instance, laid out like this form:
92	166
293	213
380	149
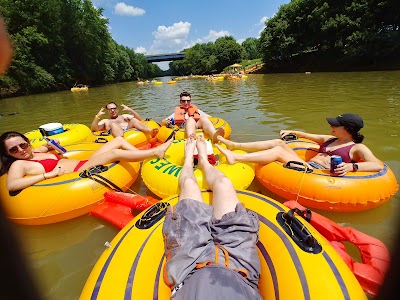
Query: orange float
374	254
118	208
355	191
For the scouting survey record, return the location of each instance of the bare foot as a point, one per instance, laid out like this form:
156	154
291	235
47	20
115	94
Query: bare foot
220	132
202	150
229	144
160	150
190	145
154	132
228	153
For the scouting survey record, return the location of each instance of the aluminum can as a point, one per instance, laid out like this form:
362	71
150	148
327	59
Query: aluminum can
335	161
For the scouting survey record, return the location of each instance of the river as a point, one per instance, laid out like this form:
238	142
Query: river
63	254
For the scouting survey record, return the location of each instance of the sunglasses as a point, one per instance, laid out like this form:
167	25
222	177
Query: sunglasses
14	149
185	101
112	108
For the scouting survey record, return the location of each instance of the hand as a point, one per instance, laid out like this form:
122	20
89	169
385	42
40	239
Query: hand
124	107
101	112
284	133
57	171
168	122
343	168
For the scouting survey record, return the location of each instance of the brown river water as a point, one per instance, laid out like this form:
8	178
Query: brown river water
63	254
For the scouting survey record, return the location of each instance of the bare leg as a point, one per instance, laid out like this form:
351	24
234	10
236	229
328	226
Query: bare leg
188	186
135	123
207	126
263	157
224	194
253	146
105	156
190	127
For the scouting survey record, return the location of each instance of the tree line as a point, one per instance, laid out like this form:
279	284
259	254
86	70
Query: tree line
58	43
213	57
331	34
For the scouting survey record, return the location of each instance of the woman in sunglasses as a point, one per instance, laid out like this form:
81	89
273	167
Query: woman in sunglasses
19	159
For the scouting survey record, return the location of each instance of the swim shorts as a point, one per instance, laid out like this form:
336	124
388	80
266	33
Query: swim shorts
194	238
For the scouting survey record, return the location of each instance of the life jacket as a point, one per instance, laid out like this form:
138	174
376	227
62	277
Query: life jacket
180	114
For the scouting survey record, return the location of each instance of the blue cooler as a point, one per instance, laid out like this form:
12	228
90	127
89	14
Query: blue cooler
50	129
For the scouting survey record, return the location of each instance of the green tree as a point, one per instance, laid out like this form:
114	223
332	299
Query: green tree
251	48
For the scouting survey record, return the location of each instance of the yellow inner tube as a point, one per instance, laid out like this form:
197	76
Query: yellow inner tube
74	133
161	175
132	268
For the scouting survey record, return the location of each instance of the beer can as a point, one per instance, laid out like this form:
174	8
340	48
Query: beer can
335	161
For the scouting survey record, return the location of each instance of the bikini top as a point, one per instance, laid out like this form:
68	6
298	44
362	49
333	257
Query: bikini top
344	152
49	163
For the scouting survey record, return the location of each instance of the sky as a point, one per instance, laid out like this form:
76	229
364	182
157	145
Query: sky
159	27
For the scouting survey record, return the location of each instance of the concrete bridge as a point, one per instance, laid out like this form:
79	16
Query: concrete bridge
165	57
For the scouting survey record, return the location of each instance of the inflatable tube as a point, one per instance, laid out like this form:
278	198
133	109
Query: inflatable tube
356	191
78	89
158	82
171	82
67	196
166	132
161	175
73	133
132	267
374	254
133	136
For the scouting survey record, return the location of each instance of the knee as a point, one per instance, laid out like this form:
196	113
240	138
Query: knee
118	140
279	143
223	181
187	182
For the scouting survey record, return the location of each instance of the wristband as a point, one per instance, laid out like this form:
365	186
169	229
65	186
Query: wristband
44	176
96	116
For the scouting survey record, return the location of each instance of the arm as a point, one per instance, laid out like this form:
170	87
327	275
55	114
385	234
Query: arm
16	179
97	124
167	120
134	113
45	147
365	160
318	138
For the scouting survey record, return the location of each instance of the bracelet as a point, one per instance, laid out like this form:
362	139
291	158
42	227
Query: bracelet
96	116
44	176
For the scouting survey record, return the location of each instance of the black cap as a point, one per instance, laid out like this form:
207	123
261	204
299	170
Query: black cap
351	121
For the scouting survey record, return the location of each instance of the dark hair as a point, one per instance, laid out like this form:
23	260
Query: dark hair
7	160
184	94
111	103
355	135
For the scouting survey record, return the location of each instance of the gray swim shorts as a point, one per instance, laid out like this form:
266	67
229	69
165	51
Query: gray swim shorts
193	238
316	166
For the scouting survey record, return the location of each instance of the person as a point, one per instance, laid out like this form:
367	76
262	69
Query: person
210	249
188	116
117	124
345	140
19	159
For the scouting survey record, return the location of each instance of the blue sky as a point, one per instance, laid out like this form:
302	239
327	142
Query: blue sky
154	27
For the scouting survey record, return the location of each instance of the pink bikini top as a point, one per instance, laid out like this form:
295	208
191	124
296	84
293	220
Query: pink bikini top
49	163
344	152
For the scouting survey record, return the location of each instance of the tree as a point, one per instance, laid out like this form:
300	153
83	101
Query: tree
251	48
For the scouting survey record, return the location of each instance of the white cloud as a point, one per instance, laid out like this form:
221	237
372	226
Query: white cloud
211	37
127	10
240	41
176	31
263	20
170	39
140	49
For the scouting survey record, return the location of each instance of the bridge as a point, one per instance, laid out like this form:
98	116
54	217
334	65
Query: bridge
165	57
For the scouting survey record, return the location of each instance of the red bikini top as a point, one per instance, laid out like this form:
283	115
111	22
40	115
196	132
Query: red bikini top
49	163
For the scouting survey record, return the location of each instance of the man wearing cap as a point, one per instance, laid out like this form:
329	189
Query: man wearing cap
117	124
345	140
